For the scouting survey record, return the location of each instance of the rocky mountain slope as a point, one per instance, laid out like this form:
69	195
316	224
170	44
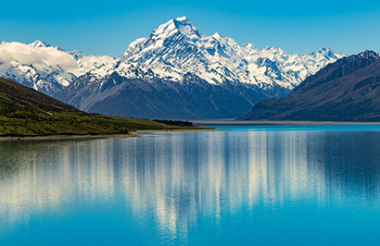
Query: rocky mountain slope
175	73
179	73
27	112
347	90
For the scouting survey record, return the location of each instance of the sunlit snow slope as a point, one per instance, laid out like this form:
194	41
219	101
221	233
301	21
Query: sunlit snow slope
176	73
43	67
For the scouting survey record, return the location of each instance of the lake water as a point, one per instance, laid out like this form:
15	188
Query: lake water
273	185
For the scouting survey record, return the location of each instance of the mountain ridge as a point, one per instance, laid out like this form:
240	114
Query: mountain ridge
27	112
43	67
342	91
175	55
177	59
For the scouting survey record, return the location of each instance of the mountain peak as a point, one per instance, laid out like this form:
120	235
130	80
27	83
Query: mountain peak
268	47
182	19
249	46
342	91
369	54
39	44
179	25
217	36
76	54
324	50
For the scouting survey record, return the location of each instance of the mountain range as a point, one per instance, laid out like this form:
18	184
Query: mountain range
27	112
347	90
43	67
175	73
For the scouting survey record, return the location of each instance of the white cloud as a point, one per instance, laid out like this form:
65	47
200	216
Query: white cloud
41	58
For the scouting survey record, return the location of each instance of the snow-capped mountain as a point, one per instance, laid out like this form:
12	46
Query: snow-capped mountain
178	72
43	67
177	47
347	90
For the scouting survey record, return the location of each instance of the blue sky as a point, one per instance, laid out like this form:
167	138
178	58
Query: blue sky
107	27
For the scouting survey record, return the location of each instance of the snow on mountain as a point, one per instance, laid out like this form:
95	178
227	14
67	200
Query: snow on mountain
39	44
199	72
37	65
346	90
90	62
44	67
173	67
177	47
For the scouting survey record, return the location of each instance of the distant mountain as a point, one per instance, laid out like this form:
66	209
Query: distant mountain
179	73
175	73
27	112
43	67
347	90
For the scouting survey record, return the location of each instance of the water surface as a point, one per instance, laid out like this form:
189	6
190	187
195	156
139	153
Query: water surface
263	185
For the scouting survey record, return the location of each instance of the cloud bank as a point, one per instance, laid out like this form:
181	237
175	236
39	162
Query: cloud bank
43	58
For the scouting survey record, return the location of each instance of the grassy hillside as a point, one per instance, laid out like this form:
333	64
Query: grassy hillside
26	112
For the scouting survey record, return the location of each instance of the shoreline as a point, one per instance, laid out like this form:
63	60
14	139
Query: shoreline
132	134
201	123
67	137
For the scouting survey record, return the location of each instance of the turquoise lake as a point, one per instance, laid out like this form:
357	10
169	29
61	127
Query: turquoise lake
247	185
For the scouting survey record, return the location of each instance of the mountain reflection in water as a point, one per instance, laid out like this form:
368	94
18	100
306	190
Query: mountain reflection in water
175	184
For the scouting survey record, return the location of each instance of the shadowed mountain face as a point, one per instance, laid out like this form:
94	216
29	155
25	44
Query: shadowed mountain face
193	98
347	90
26	112
179	73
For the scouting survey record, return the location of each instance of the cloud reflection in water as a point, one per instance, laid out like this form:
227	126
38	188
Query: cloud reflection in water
178	182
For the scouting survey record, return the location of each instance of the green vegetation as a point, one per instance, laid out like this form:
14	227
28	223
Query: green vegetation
176	122
76	124
26	112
